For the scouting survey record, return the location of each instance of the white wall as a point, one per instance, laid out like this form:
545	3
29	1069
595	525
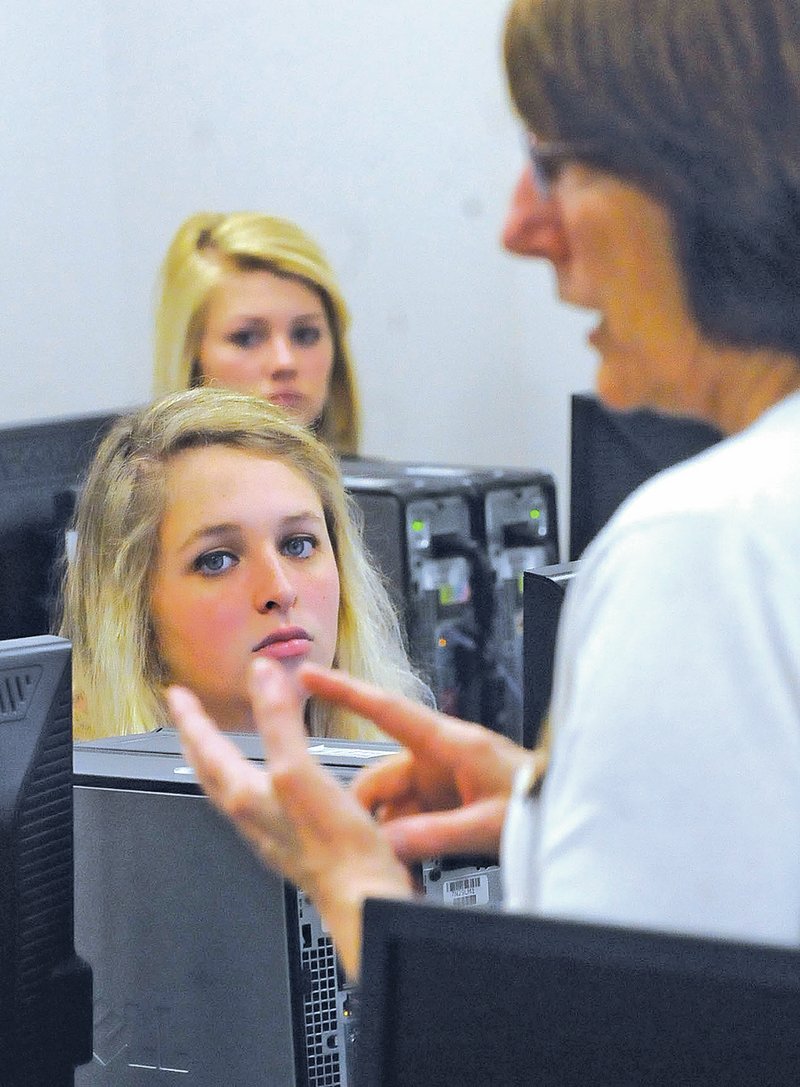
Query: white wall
384	129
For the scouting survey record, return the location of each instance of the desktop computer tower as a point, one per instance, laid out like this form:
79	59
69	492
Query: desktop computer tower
208	969
419	534
510	526
514	518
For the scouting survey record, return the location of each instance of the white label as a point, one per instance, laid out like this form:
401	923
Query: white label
469	891
351	752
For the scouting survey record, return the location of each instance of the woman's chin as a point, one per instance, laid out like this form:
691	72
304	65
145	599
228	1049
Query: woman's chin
611	393
617	393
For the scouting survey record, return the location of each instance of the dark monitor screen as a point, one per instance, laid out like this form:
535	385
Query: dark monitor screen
475	998
39	464
613	452
45	990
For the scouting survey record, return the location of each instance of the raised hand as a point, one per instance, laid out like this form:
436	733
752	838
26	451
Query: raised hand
297	817
448	791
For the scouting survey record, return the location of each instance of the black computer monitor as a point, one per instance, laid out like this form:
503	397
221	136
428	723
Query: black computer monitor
477	998
40	465
543	591
613	452
45	990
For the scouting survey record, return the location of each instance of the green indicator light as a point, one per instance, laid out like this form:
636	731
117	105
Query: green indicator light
535	514
418	525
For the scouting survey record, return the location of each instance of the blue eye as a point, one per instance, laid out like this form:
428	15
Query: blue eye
306	335
300	547
211	563
246	338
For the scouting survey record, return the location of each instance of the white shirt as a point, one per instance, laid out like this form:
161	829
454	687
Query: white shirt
673	796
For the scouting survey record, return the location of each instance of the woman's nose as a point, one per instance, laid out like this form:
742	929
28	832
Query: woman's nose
533	226
274	587
280	357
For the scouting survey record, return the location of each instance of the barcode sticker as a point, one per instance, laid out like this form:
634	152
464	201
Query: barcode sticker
469	891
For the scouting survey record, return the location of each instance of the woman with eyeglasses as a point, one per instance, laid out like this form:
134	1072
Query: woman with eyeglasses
663	186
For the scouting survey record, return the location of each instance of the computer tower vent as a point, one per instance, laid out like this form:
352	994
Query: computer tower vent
320	1009
16	691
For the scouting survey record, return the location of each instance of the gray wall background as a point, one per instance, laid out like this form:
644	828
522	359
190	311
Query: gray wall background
383	129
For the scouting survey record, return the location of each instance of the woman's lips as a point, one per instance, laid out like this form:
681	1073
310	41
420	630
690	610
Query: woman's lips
285	643
293	401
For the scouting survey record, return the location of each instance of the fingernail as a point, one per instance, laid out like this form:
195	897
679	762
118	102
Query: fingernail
262	668
176	699
264	675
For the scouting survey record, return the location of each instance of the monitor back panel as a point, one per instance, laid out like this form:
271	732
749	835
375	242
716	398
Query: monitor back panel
613	452
39	462
524	1002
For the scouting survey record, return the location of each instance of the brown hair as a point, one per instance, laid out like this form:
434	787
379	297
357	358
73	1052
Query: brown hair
696	102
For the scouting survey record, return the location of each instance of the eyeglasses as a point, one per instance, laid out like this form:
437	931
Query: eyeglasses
548	158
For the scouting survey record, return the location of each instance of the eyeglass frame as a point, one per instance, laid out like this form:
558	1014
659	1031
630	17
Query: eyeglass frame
546	157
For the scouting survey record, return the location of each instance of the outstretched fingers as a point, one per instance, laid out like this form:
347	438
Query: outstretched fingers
308	795
294	813
417	727
226	776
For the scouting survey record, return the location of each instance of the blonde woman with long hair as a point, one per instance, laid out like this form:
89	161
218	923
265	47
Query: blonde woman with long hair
250	302
212	530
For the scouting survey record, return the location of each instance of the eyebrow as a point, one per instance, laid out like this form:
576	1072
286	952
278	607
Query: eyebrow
257	318
228	528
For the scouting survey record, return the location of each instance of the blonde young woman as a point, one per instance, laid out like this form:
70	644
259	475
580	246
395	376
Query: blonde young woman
213	530
250	302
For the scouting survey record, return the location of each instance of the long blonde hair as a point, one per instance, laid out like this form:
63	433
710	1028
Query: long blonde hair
118	673
204	247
